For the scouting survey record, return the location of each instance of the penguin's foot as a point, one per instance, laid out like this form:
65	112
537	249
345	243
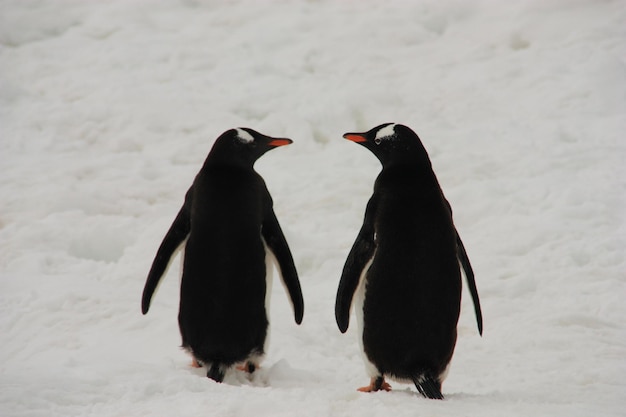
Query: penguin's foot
248	367
195	363
376	384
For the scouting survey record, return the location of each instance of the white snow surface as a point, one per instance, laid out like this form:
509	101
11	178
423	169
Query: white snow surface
108	109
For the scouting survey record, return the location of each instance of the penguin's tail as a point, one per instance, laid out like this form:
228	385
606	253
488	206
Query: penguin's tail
428	386
216	372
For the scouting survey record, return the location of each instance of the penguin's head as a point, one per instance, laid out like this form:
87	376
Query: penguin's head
392	144
243	146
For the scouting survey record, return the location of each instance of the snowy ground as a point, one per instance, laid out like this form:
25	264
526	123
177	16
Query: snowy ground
108	109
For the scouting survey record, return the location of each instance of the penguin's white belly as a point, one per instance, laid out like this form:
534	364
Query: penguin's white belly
359	300
270	261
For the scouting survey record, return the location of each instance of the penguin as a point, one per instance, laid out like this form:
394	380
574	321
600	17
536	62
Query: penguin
231	239
403	269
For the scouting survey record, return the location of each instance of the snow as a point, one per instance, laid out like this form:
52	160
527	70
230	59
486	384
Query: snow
108	109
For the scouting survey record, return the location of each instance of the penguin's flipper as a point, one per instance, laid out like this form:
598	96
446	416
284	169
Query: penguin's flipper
361	253
469	273
275	239
175	236
471	282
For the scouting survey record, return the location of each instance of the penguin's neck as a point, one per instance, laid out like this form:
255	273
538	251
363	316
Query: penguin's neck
410	167
229	162
413	173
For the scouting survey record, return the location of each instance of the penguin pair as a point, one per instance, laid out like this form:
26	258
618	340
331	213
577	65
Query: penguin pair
403	267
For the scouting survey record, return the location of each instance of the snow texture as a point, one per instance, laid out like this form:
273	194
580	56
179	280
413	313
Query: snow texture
108	109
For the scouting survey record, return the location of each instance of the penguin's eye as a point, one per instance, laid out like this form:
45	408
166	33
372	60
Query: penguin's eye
377	141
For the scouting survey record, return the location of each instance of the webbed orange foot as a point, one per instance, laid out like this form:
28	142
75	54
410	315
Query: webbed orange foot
376	384
248	367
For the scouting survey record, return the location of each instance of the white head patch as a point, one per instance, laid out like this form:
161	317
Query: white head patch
244	136
386	132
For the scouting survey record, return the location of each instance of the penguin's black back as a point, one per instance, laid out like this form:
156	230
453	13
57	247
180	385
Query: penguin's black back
222	313
413	286
229	230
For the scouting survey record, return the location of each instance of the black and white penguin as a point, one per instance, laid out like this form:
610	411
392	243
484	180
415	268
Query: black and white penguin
231	239
403	269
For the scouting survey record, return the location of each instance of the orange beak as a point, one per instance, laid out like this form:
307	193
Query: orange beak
280	142
355	137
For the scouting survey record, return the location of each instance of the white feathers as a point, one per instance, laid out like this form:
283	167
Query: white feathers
270	263
386	132
244	136
358	301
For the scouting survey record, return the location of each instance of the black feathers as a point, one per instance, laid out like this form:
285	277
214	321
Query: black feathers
407	254
428	387
403	273
230	232
176	235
